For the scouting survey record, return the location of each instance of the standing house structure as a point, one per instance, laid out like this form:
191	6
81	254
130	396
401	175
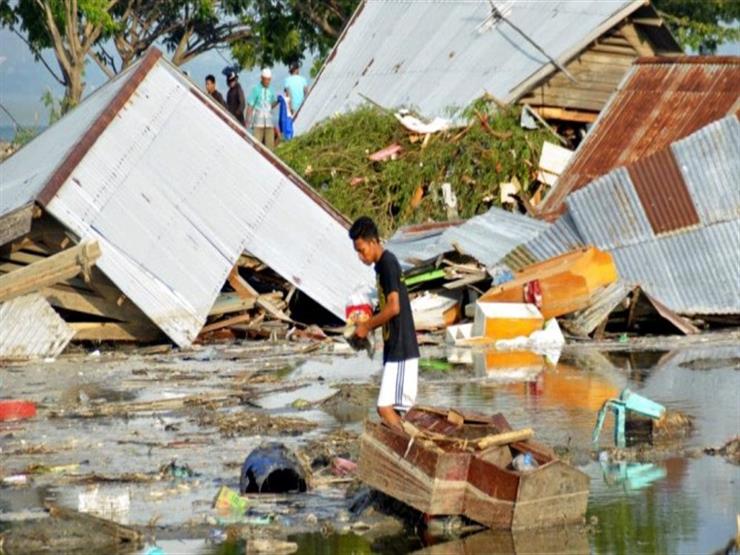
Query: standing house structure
174	191
563	58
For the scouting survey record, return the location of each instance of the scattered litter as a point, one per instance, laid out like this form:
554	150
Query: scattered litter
11	410
110	505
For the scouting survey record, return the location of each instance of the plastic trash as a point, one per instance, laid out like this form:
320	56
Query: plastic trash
524	462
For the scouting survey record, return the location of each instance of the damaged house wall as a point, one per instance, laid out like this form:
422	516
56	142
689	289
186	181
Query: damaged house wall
174	192
436	56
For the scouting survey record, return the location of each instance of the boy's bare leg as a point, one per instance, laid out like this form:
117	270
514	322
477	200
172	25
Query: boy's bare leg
390	417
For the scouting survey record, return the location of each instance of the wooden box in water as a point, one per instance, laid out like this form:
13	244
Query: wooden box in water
429	476
447	468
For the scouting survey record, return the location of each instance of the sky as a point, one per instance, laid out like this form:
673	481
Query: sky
23	80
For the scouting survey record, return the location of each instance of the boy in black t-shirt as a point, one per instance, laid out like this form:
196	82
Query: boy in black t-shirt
400	350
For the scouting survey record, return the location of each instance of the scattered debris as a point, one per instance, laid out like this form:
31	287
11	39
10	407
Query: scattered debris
730	450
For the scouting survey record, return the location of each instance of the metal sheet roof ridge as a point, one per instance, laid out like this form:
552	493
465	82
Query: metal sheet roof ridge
726	59
83	146
279	165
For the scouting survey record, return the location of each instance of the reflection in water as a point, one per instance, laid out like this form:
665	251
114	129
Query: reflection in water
562	539
632	476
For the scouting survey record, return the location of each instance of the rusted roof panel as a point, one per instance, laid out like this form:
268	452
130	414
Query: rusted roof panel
660	101
663	193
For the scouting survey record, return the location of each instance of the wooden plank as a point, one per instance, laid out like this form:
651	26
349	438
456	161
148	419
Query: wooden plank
51	270
246	291
16	224
228	322
637	40
86	302
580	116
110	331
226	303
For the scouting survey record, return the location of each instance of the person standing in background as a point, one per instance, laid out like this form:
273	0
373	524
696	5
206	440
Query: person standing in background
296	87
235	97
213	91
262	100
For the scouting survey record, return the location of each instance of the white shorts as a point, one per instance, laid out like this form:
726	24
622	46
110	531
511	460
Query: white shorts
398	386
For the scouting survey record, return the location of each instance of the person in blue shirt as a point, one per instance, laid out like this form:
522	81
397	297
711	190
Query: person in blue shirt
296	87
262	100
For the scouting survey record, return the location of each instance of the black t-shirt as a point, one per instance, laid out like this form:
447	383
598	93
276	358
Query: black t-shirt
399	336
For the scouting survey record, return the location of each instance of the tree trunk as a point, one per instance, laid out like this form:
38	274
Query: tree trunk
75	87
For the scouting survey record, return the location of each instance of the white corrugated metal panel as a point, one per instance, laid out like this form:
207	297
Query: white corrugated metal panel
709	161
174	195
695	272
26	172
489	237
411	247
609	213
30	328
436	56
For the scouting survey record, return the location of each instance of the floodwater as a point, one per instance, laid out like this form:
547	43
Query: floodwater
682	502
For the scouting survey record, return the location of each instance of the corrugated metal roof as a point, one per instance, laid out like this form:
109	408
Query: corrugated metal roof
660	101
558	238
30	328
487	238
693	269
24	174
695	272
174	195
710	165
439	56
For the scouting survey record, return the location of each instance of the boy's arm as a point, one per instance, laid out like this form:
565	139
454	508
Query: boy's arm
391	309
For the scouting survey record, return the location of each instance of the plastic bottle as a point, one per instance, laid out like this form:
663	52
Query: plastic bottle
524	462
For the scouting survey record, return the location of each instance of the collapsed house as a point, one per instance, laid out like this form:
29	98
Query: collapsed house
654	183
172	191
660	101
671	220
562	58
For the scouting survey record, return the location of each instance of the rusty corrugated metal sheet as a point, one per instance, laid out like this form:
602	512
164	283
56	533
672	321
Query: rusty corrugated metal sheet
661	100
694	269
30	328
663	193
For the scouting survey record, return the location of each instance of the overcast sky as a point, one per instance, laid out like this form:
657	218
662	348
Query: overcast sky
23	80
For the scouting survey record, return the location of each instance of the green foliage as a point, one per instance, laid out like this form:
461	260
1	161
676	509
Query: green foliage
23	135
56	108
284	30
474	160
702	25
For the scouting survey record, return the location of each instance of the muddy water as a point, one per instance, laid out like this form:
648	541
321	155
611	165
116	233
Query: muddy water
680	503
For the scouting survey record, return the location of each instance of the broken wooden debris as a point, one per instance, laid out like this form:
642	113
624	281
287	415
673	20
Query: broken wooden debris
43	273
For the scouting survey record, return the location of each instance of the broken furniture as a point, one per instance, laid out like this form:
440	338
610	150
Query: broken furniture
628	402
447	462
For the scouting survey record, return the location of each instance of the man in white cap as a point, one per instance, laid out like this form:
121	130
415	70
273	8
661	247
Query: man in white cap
262	100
